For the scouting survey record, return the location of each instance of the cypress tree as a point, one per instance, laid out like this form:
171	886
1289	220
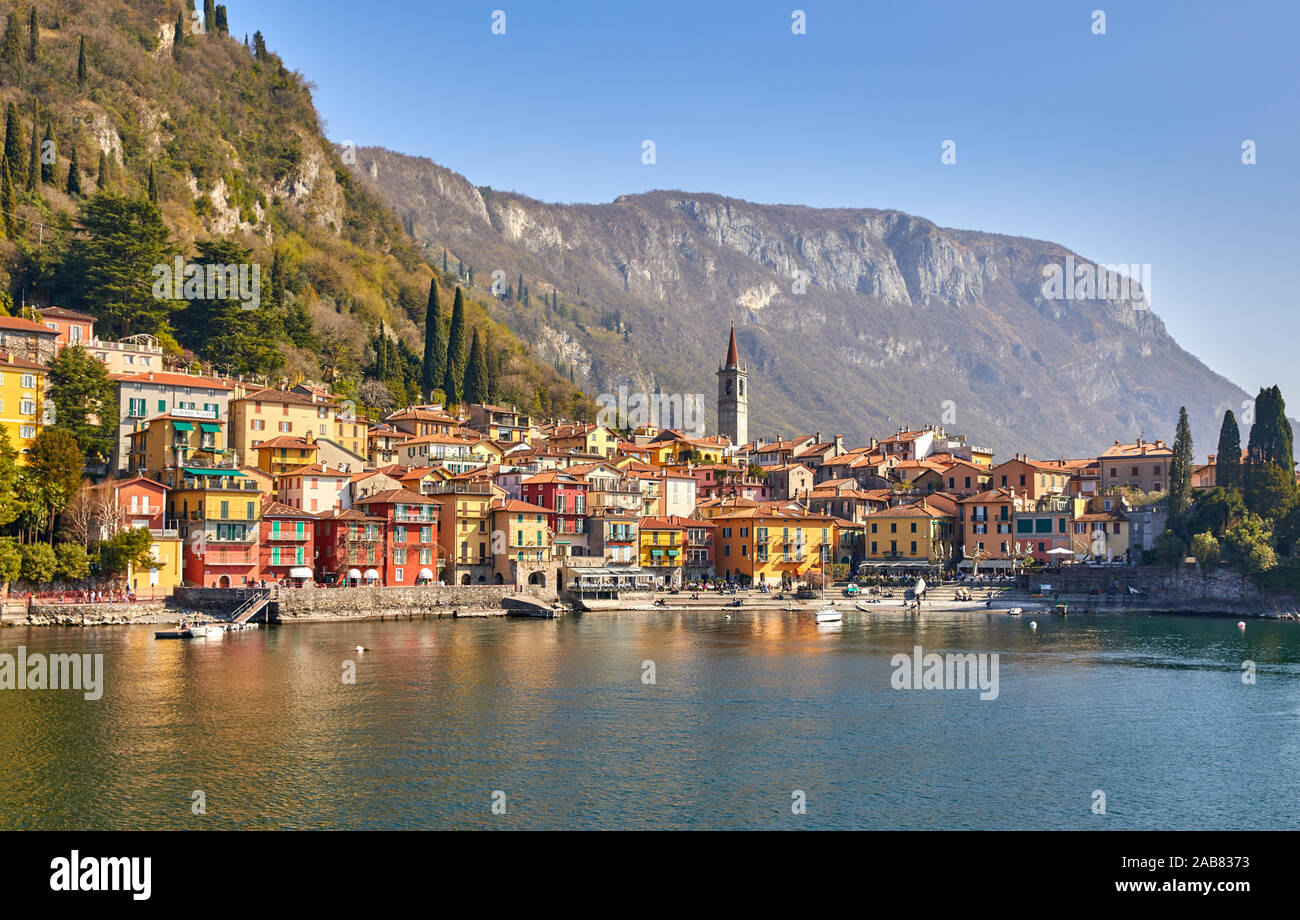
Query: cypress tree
81	63
1270	457
493	368
74	176
11	51
444	260
34	35
1227	463
34	156
7	201
223	24
476	373
435	352
178	33
47	156
1180	472
14	145
453	378
102	178
209	16
153	185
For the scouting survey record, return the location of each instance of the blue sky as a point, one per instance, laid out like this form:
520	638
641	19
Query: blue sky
1125	146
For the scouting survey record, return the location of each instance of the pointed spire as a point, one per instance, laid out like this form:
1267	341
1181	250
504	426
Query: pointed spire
733	356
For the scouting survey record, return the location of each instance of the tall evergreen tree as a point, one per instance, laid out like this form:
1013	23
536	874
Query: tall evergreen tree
8	203
47	156
444	259
34	35
435	351
1270	453
476	373
178	33
101	178
493	368
209	17
1180	473
153	185
223	24
453	378
15	149
73	186
11	49
1227	462
81	63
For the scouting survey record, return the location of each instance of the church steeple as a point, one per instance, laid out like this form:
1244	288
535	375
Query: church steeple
733	396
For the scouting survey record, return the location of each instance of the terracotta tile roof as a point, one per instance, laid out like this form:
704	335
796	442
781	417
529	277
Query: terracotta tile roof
18	324
279	509
286	441
165	378
65	313
398	496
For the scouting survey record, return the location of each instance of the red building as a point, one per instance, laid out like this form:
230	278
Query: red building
141	502
565	497
72	326
349	547
288	544
410	547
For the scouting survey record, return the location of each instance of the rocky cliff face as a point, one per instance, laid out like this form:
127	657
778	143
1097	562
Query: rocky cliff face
851	321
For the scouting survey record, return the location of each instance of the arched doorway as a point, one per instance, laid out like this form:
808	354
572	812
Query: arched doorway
499	580
466	580
224	581
537	578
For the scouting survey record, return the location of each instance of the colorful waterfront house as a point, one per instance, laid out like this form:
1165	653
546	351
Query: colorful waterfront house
132	355
265	414
28	340
713	480
773	546
565	497
349	547
411	535
1101	535
1034	478
988	540
663	550
185	397
1143	465
916	534
288	544
522	542
486	451
371	482
499	423
72	326
1045	527
265	481
418	421
286	454
698	548
171	441
218	513
313	488
843	499
677	493
465	529
613	535
788	480
608	488
142	503
22	400
385	444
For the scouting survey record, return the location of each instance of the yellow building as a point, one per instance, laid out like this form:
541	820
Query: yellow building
267	414
486	451
662	549
286	454
584	439
465	529
22	396
218	513
918	533
163	574
766	545
166	441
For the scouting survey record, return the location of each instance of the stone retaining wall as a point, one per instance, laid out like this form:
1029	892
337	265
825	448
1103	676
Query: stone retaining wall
1213	590
387	603
92	614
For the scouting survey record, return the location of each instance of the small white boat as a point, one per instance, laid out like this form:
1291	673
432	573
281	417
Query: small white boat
829	615
1014	612
210	632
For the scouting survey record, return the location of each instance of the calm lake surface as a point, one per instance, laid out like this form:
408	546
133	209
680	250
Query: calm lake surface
555	714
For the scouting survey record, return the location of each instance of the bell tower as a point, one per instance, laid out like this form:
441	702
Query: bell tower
733	396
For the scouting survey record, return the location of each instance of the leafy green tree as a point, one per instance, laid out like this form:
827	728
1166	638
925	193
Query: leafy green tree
110	270
123	551
85	402
72	562
11	562
52	475
434	366
1250	544
1227	462
1217	508
1169	548
10	503
1205	548
40	565
476	373
453	378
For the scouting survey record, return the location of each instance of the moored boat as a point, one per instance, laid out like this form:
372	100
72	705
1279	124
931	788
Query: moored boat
829	615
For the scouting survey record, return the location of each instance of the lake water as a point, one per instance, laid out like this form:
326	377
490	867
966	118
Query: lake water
745	716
